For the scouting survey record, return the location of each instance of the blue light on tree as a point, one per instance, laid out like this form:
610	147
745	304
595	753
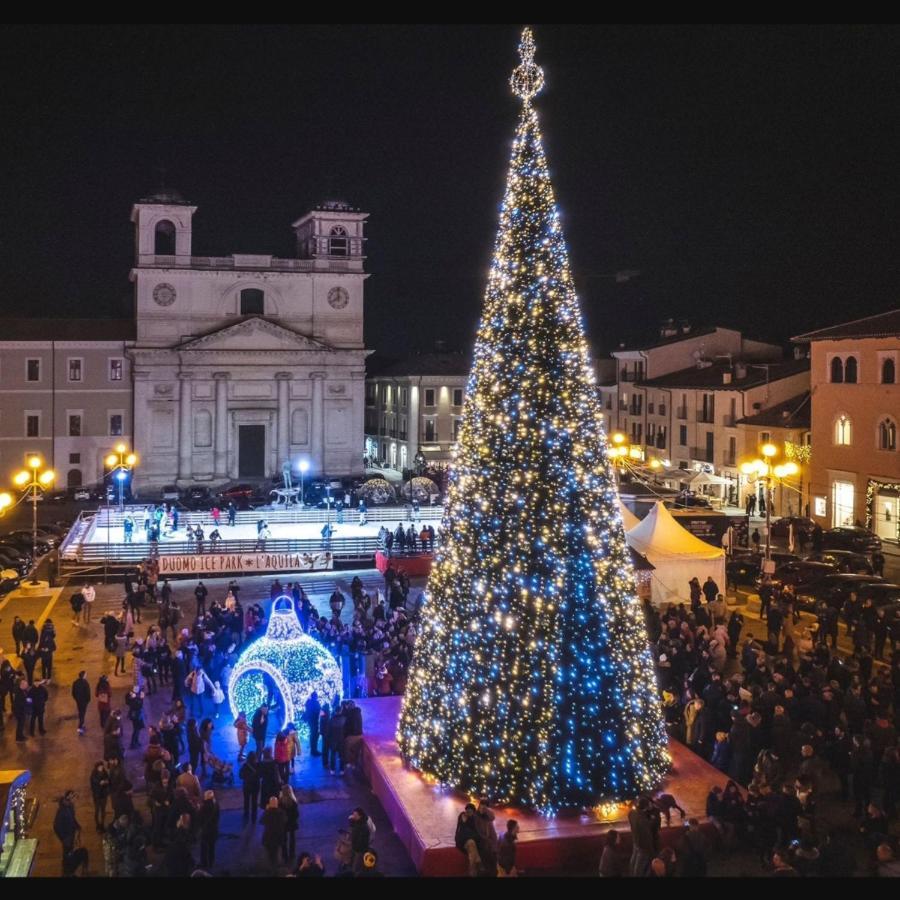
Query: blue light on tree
289	658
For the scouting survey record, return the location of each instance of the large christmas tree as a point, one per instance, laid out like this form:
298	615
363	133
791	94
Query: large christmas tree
532	682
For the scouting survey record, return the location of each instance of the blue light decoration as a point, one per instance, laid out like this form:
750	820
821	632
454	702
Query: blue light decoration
295	662
532	681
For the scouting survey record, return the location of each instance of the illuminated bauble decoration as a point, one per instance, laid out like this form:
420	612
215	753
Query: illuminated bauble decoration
528	78
295	662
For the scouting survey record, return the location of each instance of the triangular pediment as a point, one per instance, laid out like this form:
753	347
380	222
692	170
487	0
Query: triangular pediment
254	334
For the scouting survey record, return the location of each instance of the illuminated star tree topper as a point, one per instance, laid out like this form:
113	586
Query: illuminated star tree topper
532	682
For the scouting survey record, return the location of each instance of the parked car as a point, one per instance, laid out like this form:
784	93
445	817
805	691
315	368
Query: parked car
9	581
801	572
43	536
197	496
17	542
53	528
170	493
801	524
745	567
879	593
238	492
687	499
860	540
845	560
833	589
14	551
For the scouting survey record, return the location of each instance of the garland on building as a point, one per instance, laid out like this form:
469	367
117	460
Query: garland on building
532	682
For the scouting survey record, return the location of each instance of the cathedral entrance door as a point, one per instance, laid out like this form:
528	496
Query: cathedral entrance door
252	451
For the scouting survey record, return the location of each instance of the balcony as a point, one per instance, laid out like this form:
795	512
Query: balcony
662	409
650	408
625	375
728	421
635	409
681	412
729	459
661	442
623	405
702	454
707	417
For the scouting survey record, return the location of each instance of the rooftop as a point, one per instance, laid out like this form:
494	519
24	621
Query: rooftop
710	378
166	197
883	325
682	335
434	363
793	413
67	330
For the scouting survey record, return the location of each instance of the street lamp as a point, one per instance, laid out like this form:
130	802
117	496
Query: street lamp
121	462
33	480
304	466
765	471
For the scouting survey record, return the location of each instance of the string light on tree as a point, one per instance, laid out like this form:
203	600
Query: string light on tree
532	682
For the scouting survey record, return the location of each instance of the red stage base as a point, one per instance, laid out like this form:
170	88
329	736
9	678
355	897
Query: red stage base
424	815
418	566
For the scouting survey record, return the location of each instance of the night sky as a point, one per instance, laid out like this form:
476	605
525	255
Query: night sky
751	176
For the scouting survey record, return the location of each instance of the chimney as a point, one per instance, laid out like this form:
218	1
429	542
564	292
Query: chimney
740	371
726	378
668	329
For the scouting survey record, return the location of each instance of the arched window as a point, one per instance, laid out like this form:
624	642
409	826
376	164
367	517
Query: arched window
164	244
843	431
888	371
73	479
850	370
338	243
837	370
887	434
253	302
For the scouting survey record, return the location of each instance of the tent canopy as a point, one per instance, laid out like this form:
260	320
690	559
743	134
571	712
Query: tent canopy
676	554
705	478
660	535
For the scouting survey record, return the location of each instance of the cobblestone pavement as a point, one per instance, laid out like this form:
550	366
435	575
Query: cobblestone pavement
63	759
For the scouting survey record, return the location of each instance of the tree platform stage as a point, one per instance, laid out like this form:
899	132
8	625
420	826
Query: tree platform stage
424	815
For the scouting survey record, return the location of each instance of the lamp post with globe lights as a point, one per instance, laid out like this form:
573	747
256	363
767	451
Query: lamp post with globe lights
767	471
34	481
121	462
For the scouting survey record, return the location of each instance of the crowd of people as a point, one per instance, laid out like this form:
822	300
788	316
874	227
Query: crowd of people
791	723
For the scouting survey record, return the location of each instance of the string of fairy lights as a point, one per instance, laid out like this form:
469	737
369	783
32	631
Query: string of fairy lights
532	681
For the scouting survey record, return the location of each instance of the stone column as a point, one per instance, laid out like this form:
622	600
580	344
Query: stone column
140	426
221	437
317	431
412	424
185	429
283	426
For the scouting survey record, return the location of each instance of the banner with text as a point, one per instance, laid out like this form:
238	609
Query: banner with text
230	563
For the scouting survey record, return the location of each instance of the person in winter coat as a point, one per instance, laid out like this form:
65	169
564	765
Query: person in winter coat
506	852
311	716
81	694
282	756
209	829
487	837
269	779
467	839
336	737
260	727
242	729
274	822
288	802
65	823
103	695
249	774
100	794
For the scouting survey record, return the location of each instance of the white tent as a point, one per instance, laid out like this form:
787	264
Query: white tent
677	555
629	519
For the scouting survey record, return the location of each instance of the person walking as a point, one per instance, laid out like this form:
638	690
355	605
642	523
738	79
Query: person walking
201	592
81	694
20	708
232	513
216	514
90	595
121	650
38	697
103	696
209	830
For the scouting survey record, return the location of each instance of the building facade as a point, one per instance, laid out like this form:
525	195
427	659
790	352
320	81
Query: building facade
414	405
679	398
855	417
232	367
66	400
